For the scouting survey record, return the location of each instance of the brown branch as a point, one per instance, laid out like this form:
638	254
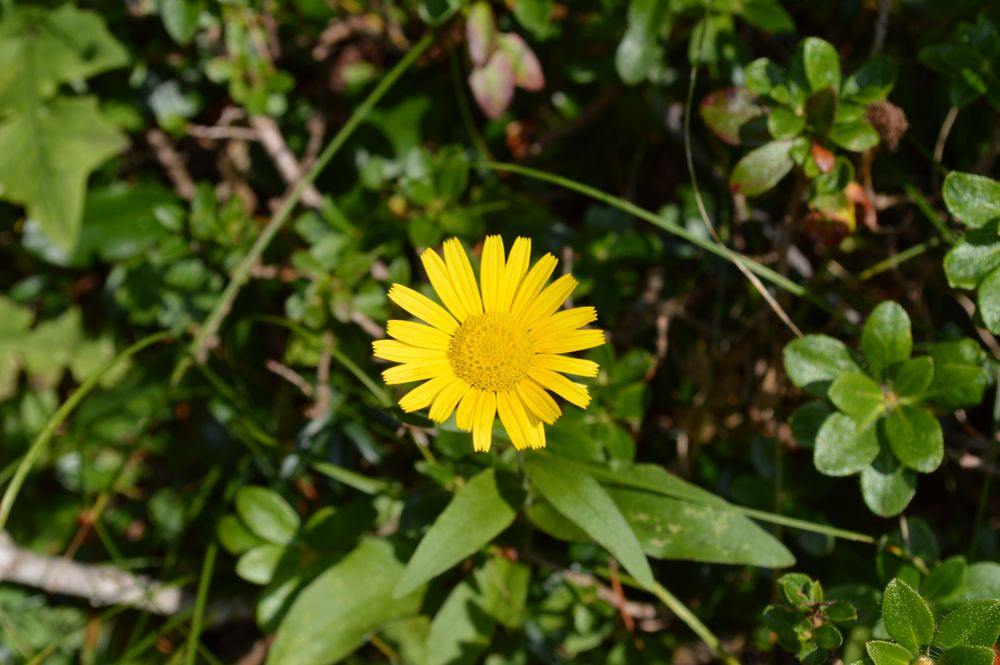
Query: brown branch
172	162
284	160
290	375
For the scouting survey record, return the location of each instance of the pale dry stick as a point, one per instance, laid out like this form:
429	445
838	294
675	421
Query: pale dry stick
289	168
881	27
222	133
102	585
322	406
208	330
702	211
172	162
290	375
946	125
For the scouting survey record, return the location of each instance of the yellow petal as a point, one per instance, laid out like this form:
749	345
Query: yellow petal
448	399
462	277
538	402
417	370
565	364
536	437
567	342
424	394
465	417
550	300
417	334
510	422
437	272
564	321
513	272
572	392
423	308
390	349
486	409
532	284
491	267
525	423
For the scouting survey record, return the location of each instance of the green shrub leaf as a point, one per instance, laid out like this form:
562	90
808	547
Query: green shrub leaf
906	616
267	514
822	64
915	438
964	655
973	199
762	168
972	624
887	653
843	448
886	337
858	396
479	511
886	486
813	362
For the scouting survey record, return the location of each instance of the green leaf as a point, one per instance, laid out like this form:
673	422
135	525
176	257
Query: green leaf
479	511
968	262
639	53
840	611
906	616
945	579
334	613
858	396
503	589
982	582
461	630
822	64
886	486
670	528
913	377
856	136
234	536
767	15
14	324
989	301
821	109
974	624
46	155
842	449
915	438
258	564
807	420
761	168
180	18
813	362
965	655
728	110
797	588
535	15
43	48
972	199
886	338
960	378
761	75
887	653
783	123
267	514
872	82
581	499
828	637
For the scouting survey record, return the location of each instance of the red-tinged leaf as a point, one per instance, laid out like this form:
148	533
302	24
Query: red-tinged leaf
493	85
481	33
824	159
859	197
726	111
527	70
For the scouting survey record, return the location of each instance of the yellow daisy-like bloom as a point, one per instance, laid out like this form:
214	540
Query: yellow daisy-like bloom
498	346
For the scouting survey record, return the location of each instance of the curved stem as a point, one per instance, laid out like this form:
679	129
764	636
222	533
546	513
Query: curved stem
43	438
224	303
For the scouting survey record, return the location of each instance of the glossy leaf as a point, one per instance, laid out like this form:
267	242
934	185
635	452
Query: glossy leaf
886	338
267	514
762	168
915	438
856	136
479	511
822	64
960	378
913	377
872	82
972	199
813	362
978	254
886	486
887	653
842	448
974	624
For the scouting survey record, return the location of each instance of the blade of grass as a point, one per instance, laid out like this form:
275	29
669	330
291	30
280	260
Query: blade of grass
224	303
198	617
722	251
43	438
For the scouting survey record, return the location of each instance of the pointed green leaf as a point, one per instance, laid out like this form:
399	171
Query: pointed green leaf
479	511
334	613
813	362
973	199
842	448
945	579
915	438
258	564
859	397
582	499
46	154
906	616
886	338
974	624
887	653
461	630
267	514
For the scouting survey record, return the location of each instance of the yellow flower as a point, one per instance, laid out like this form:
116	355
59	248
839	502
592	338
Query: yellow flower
496	349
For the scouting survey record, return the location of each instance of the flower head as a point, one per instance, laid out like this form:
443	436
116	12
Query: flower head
493	349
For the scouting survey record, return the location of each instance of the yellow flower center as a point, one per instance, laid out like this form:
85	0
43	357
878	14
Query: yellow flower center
491	351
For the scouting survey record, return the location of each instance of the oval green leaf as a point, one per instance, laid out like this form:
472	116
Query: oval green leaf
267	514
906	616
